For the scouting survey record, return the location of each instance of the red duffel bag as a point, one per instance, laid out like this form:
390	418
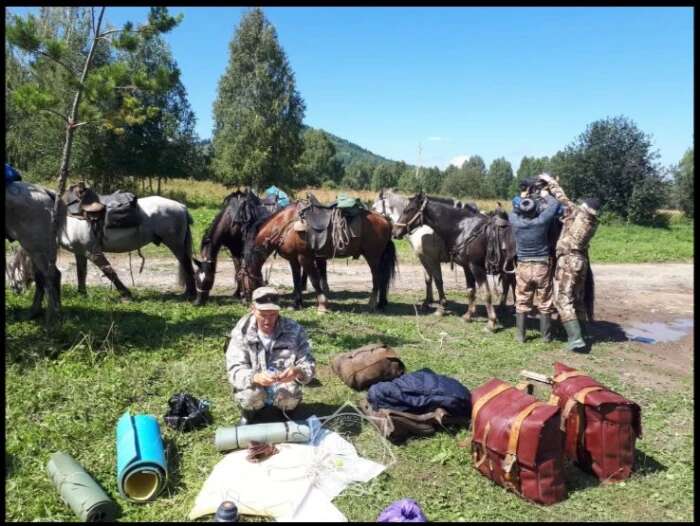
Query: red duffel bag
517	442
601	426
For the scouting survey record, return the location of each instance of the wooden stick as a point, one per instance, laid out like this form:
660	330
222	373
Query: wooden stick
537	377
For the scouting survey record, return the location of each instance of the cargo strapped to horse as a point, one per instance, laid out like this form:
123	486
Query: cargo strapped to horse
115	210
320	218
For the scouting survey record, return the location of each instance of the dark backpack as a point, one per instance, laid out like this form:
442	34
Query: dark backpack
421	392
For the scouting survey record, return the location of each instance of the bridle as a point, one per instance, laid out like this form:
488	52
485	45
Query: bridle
417	216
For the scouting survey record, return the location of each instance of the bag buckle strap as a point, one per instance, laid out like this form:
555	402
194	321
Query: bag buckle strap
511	454
486	398
566	375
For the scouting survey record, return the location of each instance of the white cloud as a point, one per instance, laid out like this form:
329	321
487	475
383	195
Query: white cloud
436	139
458	161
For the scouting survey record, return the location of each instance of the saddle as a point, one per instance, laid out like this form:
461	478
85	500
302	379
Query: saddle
319	219
115	210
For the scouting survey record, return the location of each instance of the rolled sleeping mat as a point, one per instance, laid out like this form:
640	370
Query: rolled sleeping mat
141	468
238	437
79	490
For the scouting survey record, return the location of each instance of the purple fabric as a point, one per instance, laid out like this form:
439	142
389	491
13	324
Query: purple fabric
404	510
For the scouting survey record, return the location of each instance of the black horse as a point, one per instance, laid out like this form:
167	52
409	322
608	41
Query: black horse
464	232
241	211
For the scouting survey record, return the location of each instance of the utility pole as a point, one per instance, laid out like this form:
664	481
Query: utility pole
418	166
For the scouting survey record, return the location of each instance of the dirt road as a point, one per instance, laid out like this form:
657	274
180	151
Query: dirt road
652	300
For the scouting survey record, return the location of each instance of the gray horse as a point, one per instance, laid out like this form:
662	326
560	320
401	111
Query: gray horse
427	245
162	221
28	216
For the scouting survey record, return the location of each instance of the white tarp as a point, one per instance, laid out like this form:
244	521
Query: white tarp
296	484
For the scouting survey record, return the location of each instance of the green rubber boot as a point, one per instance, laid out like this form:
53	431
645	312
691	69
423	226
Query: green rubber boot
573	332
520	327
546	327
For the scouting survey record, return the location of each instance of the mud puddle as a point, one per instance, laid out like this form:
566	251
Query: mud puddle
657	332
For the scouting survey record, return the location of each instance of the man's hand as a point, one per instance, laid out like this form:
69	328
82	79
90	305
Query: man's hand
546	177
289	375
264	379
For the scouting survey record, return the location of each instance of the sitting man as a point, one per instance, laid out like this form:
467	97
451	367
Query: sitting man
268	358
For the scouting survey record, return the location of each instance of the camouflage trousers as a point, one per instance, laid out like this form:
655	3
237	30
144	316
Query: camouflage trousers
533	281
286	397
569	281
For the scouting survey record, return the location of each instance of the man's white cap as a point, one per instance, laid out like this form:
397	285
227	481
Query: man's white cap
266	298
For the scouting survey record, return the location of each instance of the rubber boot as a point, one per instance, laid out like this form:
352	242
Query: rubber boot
520	327
546	327
573	332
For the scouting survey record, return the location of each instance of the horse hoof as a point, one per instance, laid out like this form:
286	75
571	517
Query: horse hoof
322	309
467	318
490	328
439	312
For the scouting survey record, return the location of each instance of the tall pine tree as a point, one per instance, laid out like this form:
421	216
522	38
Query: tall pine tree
258	112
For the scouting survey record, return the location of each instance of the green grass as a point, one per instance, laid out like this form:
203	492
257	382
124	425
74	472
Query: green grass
65	391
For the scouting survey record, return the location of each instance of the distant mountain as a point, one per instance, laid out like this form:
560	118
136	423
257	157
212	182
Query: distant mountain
348	152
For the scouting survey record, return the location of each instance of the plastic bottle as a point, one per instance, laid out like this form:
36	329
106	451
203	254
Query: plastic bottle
227	512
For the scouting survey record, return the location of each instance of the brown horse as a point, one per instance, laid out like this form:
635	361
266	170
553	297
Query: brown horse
277	233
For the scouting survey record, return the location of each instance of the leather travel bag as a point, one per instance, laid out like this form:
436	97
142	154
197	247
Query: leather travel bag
601	425
517	441
367	365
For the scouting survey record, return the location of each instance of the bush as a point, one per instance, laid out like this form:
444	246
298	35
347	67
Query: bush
644	202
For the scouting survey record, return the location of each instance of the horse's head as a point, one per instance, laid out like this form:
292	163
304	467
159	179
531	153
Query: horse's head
411	217
204	279
250	274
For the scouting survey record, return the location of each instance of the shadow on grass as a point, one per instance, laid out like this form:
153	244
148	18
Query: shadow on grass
172	460
646	465
577	479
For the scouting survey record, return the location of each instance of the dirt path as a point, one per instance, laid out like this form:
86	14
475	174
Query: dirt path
655	300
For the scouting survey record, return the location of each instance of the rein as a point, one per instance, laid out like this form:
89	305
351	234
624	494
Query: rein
418	214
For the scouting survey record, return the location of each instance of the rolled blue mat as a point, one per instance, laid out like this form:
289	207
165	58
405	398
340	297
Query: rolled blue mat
141	468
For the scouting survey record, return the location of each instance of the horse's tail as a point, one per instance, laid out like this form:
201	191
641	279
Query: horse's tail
20	270
388	265
589	293
183	273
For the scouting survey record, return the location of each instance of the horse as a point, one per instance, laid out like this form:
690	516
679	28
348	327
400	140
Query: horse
29	212
427	245
501	252
162	220
241	210
464	234
278	233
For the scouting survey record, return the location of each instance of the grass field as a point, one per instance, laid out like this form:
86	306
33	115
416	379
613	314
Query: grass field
65	391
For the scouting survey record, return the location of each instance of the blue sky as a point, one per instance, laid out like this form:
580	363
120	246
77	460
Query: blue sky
461	81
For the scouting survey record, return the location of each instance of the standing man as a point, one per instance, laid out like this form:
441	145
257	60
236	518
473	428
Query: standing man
580	224
268	358
533	278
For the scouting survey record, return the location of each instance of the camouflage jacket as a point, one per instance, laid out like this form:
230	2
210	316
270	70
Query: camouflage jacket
579	224
246	355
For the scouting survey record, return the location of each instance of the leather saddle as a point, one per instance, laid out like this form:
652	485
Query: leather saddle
342	222
83	202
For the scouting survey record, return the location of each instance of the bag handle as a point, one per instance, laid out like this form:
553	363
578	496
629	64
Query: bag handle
511	452
566	375
486	398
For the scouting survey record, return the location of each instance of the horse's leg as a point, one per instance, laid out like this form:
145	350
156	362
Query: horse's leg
39	285
373	263
81	268
322	264
471	293
312	271
427	277
296	279
237	267
482	280
100	260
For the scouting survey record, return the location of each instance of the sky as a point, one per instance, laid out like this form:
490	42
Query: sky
437	85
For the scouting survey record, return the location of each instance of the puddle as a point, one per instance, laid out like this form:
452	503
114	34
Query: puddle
656	332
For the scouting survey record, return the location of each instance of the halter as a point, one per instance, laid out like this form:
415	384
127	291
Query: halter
417	215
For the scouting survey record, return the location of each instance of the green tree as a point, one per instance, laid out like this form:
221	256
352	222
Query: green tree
384	176
608	161
684	180
103	94
258	112
473	179
357	175
500	177
318	163
455	182
431	179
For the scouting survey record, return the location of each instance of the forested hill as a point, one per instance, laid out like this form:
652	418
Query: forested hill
348	152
